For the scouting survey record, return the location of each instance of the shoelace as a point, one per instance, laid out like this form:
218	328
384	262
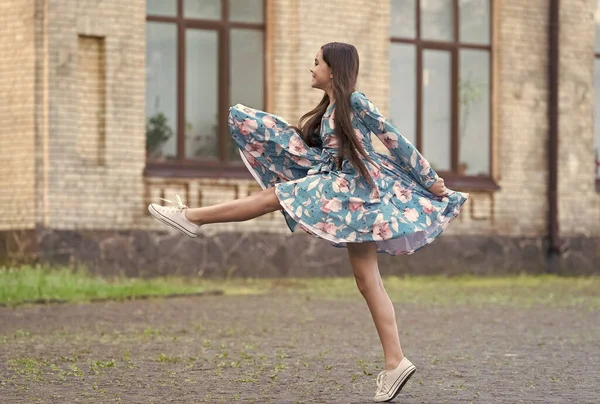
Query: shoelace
381	379
177	202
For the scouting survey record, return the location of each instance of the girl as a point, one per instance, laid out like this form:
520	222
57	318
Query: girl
326	178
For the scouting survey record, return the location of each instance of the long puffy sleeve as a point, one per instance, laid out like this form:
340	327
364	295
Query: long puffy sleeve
401	148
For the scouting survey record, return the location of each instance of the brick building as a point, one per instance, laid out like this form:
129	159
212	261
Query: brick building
109	105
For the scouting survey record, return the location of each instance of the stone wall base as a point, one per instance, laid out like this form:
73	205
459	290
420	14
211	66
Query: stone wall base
147	253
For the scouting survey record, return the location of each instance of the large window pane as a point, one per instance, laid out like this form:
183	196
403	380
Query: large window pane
437	121
204	9
437	20
247	72
475	21
201	94
403	19
403	89
597	115
166	8
161	90
474	87
246	10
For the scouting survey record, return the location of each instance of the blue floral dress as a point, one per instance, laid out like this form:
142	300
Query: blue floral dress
399	214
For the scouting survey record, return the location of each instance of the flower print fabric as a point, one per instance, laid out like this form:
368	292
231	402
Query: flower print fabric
398	213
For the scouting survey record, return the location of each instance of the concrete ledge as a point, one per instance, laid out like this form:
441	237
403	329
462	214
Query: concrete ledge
147	253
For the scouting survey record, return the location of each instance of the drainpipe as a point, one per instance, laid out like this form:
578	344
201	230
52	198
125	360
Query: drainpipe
554	245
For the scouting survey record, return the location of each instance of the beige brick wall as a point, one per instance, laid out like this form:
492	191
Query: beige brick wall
17	125
579	206
85	192
86	111
519	208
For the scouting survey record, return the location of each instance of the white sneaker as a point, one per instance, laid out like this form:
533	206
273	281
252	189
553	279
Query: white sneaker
174	216
390	382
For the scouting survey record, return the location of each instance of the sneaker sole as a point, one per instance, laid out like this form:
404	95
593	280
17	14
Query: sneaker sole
411	370
161	218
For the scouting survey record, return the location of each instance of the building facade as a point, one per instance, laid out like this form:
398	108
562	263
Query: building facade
111	105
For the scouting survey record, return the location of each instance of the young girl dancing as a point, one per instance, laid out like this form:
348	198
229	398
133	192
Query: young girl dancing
326	178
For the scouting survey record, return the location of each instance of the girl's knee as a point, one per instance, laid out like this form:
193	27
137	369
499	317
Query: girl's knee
367	283
361	285
363	257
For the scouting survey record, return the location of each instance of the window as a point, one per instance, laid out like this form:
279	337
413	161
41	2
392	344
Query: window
202	56
597	97
440	90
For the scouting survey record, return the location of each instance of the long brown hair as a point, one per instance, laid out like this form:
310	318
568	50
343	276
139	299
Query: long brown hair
342	59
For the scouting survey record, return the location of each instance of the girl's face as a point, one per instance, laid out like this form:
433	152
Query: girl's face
321	73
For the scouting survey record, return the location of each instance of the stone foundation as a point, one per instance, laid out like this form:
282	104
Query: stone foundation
147	254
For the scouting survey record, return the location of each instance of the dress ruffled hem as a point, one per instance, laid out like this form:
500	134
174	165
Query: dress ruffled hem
402	245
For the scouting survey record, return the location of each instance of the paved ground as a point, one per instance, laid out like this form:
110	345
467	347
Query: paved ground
281	348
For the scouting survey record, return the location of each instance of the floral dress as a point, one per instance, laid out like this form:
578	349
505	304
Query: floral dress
398	213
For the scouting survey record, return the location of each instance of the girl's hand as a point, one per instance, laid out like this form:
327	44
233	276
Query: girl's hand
439	188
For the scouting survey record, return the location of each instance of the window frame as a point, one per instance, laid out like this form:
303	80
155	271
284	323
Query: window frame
222	166
452	178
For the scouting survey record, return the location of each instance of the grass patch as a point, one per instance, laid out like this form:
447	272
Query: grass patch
31	284
25	284
516	290
520	290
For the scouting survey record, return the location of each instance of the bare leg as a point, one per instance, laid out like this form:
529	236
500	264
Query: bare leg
363	257
239	210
